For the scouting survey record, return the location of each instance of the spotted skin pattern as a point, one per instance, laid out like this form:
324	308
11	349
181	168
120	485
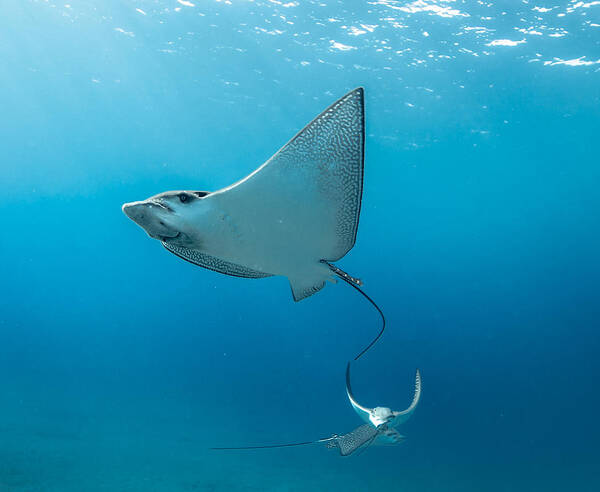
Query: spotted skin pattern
334	140
213	263
350	442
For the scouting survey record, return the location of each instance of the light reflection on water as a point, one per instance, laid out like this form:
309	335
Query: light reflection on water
417	34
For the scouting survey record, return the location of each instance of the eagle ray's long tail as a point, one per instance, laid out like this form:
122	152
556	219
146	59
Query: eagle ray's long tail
356	283
270	446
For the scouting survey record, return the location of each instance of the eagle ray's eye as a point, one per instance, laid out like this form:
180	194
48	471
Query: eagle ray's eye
183	198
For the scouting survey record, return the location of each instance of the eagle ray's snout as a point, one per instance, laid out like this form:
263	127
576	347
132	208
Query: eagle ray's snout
152	217
131	209
138	212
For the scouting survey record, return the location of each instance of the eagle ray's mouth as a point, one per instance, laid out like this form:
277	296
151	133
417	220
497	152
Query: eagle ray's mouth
166	239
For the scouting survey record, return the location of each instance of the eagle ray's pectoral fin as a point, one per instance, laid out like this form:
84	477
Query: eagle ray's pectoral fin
404	415
350	442
363	412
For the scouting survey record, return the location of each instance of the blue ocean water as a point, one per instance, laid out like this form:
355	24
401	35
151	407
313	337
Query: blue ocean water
120	365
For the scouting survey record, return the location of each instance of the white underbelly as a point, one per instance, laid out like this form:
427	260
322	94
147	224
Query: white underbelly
264	238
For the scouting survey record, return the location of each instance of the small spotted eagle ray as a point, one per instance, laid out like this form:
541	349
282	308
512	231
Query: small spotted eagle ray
380	426
293	216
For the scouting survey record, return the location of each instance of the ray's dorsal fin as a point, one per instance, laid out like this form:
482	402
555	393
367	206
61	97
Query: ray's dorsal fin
212	263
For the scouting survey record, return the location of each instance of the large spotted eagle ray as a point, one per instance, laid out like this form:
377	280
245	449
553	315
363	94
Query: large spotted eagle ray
379	427
293	216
